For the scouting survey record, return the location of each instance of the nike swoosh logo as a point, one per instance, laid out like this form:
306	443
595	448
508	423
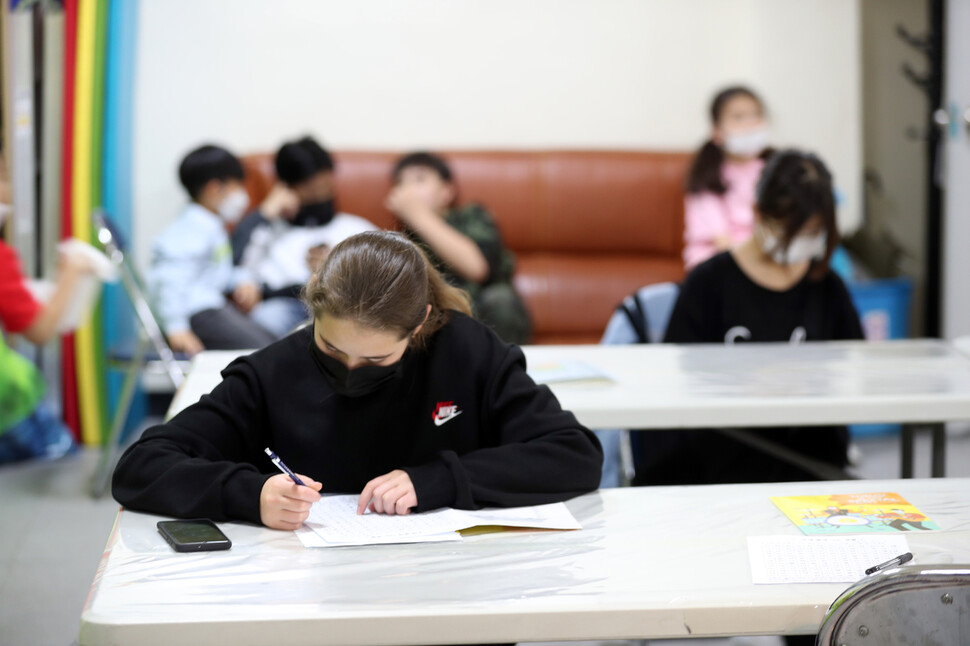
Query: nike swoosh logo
438	421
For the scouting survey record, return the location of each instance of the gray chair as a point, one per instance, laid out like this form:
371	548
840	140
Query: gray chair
132	361
641	318
906	606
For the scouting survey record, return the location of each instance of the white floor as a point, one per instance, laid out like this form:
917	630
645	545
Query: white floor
53	533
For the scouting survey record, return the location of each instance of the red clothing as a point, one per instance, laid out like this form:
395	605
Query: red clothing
18	307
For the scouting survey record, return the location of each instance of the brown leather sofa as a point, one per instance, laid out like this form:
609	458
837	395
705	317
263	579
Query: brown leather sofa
587	228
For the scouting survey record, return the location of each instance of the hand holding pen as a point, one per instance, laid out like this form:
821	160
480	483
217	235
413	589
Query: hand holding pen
285	499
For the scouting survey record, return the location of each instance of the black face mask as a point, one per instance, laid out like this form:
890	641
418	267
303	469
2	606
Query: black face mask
316	214
356	382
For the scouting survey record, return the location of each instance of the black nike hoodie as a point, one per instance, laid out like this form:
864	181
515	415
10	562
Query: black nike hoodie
463	419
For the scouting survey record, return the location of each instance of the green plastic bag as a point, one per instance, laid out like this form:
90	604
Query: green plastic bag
21	387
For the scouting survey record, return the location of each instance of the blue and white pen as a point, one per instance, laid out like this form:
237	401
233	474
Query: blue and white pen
282	467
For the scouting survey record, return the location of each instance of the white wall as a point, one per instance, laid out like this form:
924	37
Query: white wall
402	74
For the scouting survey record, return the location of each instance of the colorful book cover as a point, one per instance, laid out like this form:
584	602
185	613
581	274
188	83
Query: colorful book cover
853	513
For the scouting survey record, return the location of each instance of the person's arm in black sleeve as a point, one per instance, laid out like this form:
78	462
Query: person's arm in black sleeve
242	233
201	463
543	455
847	326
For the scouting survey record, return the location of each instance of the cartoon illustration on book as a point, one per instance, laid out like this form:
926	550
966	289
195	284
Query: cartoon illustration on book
853	513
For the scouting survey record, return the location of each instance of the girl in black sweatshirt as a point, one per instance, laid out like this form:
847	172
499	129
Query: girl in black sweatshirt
775	287
393	393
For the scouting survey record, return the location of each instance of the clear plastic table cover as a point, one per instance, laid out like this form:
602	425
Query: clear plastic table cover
649	562
767	384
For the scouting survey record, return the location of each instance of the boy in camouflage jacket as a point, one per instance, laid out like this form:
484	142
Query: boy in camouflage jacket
463	242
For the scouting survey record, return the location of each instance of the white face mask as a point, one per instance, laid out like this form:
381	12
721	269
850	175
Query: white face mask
749	143
233	206
5	210
802	248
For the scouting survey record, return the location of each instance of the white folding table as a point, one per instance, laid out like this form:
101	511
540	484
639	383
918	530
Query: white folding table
916	383
650	562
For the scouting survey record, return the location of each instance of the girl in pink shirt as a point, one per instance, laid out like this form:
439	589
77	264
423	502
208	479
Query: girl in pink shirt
720	187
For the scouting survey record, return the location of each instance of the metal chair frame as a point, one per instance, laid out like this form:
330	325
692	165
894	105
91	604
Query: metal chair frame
152	336
910	605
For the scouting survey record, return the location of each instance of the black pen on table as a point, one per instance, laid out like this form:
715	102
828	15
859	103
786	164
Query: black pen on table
285	469
899	560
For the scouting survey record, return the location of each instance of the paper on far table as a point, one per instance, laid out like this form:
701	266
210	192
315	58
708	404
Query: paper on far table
819	559
334	519
549	372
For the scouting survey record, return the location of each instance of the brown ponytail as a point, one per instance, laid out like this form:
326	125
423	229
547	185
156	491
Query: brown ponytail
384	282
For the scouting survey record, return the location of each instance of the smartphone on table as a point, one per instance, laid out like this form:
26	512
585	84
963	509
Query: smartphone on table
196	535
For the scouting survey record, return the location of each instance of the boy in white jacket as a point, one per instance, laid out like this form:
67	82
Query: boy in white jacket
192	277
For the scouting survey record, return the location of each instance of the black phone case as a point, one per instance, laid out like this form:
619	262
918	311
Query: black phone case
202	546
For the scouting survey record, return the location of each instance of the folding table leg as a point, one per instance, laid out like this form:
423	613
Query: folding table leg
627	470
939	451
906	451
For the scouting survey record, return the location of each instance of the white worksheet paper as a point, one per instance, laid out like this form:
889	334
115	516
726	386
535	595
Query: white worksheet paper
334	521
819	559
310	538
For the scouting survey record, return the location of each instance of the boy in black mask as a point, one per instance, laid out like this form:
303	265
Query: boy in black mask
289	235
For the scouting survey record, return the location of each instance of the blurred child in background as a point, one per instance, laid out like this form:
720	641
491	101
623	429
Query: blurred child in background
191	274
29	427
774	287
720	186
464	243
282	242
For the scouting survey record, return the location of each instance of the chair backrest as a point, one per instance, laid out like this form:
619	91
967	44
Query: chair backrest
924	604
642	316
113	245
